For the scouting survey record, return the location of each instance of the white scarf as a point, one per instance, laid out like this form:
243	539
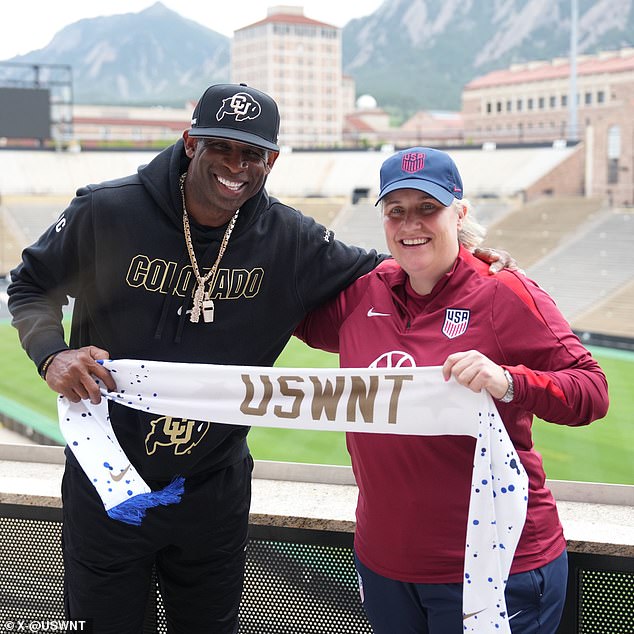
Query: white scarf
412	401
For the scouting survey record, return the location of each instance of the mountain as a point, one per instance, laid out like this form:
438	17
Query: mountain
413	54
154	56
408	54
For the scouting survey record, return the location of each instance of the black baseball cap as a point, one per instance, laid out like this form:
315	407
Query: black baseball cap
237	112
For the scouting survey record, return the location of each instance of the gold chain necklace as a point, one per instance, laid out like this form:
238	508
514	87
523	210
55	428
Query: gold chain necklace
206	306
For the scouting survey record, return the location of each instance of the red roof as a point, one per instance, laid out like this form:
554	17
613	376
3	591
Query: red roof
547	70
353	122
287	18
434	120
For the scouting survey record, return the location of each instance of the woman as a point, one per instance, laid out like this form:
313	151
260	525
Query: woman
436	305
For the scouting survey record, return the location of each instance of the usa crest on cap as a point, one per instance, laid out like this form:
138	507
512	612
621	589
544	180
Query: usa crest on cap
413	162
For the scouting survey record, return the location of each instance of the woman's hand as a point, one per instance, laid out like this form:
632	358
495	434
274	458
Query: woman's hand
477	372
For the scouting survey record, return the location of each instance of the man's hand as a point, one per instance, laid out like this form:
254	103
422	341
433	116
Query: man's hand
476	371
497	259
72	374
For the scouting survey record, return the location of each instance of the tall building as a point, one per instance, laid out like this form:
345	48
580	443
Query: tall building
529	103
297	61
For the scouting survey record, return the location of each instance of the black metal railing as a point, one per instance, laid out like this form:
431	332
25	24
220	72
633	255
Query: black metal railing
297	581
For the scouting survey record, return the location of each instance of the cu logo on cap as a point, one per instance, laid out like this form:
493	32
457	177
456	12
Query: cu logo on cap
241	106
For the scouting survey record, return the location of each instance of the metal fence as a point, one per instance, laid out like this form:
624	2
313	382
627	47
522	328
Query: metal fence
297	581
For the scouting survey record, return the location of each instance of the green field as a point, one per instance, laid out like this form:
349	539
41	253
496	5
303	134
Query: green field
601	452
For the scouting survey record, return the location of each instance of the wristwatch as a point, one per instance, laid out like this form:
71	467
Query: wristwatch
510	391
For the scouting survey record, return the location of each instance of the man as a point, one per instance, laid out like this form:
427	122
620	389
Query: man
189	260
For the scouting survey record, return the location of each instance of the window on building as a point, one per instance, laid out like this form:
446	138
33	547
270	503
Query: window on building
587	98
564	101
613	171
509	105
529	103
614	141
488	107
541	103
553	102
600	96
498	106
519	105
614	153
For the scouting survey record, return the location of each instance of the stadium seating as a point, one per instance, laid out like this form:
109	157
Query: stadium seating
592	266
574	247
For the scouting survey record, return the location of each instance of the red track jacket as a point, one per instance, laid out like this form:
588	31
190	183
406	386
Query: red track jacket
414	491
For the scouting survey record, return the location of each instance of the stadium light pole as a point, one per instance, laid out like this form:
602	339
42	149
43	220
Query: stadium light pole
572	92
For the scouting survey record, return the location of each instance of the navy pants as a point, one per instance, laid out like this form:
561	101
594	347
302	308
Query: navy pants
198	548
534	602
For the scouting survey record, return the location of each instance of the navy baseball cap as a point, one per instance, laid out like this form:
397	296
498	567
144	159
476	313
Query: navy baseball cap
237	112
423	168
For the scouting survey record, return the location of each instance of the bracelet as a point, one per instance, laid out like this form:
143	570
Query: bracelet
46	364
510	390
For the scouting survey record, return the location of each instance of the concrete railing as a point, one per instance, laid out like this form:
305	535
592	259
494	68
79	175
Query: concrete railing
310	506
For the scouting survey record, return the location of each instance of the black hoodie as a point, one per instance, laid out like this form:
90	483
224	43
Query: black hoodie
119	250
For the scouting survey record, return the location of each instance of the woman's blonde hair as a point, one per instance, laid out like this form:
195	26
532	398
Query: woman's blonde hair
472	232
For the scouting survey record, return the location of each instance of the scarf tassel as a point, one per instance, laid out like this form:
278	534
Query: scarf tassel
133	511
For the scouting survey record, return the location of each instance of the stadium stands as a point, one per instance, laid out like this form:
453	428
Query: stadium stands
533	230
613	315
61	173
324	210
31	215
11	241
573	247
361	225
503	172
591	267
576	248
580	252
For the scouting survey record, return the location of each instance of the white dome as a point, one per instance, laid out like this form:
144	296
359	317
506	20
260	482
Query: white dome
366	102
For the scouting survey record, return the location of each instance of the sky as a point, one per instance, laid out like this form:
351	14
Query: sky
28	25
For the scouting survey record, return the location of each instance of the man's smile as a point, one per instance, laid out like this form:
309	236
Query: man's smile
234	186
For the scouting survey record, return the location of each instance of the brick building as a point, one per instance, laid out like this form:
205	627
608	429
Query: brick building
99	125
297	61
529	103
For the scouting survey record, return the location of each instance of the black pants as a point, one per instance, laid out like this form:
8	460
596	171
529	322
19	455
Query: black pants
198	547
